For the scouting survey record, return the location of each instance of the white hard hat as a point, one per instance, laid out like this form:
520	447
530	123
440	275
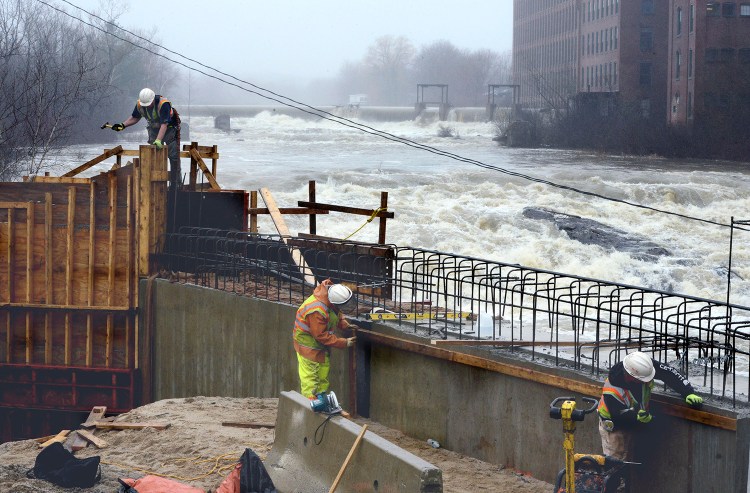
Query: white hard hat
339	294
640	366
146	97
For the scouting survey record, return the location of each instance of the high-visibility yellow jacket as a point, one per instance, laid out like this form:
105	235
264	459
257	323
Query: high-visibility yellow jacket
314	326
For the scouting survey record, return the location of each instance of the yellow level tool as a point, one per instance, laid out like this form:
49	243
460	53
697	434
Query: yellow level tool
416	316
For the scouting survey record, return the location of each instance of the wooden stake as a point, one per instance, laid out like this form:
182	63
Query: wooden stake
348	459
311	194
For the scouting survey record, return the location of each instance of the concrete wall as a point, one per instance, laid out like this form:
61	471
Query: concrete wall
209	342
308	454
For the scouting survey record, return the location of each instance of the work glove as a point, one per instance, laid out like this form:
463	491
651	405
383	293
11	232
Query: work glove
117	127
644	416
350	341
158	143
694	400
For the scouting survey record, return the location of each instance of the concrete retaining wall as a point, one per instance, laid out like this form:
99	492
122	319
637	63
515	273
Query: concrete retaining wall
308	454
209	342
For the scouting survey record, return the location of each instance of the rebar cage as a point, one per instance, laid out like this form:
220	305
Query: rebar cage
563	319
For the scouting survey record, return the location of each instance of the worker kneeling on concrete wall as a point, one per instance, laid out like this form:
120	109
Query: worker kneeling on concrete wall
316	320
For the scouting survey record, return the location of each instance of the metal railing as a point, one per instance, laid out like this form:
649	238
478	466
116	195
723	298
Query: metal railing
565	320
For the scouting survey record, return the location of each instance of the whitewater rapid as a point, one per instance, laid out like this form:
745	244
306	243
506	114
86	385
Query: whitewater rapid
452	206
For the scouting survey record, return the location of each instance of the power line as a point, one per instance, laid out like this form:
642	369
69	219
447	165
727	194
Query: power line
311	110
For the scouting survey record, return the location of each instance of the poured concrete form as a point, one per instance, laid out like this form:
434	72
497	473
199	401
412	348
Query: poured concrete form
309	450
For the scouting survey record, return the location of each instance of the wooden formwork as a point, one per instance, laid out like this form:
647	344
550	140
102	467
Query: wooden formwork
71	253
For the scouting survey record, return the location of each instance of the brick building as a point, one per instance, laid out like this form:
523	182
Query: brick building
597	50
709	70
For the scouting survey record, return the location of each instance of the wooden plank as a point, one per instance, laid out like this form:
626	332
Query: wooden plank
60	437
91	264
348	459
144	211
109	343
214	184
530	374
77	442
384	207
9	254
48	276
311	198
205	151
119	425
474	342
253	217
69	268
286	210
342	208
29	249
14	205
58	179
82	308
214	160
88	164
89	437
246	424
128	265
281	227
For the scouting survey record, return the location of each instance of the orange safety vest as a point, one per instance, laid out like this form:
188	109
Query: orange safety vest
301	332
624	396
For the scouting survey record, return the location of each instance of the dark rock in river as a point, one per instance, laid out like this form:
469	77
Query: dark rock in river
591	232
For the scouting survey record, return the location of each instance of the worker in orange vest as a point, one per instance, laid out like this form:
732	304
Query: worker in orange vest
314	326
624	404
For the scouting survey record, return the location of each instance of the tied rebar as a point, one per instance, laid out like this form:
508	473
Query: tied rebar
561	319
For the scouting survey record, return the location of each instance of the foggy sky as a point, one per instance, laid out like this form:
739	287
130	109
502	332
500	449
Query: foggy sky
308	39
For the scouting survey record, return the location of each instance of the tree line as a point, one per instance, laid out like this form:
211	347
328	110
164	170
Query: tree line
392	67
61	79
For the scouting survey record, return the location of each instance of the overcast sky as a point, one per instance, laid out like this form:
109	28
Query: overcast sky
310	38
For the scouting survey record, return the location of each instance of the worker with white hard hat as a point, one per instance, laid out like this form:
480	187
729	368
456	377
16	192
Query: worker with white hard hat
163	126
314	335
624	404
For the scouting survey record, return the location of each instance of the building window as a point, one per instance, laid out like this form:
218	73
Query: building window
727	9
690	105
646	108
726	55
712	55
679	21
647	7
744	54
690	63
647	40
713	9
745	10
677	65
645	75
614	74
692	17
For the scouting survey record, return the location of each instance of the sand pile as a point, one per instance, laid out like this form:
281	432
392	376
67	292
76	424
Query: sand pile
197	450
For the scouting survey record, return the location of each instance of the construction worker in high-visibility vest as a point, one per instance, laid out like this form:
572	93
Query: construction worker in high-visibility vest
163	126
624	404
314	326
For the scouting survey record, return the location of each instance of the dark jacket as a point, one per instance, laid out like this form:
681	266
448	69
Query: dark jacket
637	392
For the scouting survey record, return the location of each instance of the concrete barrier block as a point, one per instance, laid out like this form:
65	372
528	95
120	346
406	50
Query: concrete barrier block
308	453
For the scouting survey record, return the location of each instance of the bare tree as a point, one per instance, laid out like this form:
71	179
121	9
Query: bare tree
389	61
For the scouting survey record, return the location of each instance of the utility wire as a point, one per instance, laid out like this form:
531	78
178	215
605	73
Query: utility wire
305	108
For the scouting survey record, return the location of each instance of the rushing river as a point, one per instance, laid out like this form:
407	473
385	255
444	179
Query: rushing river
444	204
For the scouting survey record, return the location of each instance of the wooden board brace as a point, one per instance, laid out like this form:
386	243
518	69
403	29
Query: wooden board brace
89	437
196	155
107	154
281	227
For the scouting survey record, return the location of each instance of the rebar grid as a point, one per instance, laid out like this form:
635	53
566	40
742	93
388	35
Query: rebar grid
572	321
